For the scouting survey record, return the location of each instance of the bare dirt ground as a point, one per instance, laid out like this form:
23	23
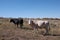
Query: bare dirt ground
8	31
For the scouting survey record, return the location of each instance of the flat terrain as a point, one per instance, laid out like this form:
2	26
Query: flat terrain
8	31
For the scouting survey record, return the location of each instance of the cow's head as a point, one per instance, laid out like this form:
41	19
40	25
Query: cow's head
30	22
11	20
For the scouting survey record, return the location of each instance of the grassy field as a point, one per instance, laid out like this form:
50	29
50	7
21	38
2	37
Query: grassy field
8	31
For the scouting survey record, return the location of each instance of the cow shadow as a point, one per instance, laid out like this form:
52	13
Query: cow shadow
51	34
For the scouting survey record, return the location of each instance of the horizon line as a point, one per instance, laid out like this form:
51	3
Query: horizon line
29	17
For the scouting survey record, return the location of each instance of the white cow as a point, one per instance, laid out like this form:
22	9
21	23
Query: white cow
39	24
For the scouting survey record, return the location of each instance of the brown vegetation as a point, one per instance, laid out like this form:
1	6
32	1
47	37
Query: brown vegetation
8	31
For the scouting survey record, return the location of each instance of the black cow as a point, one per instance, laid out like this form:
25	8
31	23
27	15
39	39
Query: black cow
17	22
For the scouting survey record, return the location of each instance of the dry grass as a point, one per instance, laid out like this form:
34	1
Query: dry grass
8	31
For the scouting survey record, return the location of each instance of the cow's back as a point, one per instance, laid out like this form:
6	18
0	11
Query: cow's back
40	22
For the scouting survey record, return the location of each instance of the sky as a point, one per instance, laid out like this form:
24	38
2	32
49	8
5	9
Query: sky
30	8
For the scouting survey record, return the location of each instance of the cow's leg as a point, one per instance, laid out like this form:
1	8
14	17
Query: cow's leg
49	27
17	25
32	27
36	27
21	25
47	30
